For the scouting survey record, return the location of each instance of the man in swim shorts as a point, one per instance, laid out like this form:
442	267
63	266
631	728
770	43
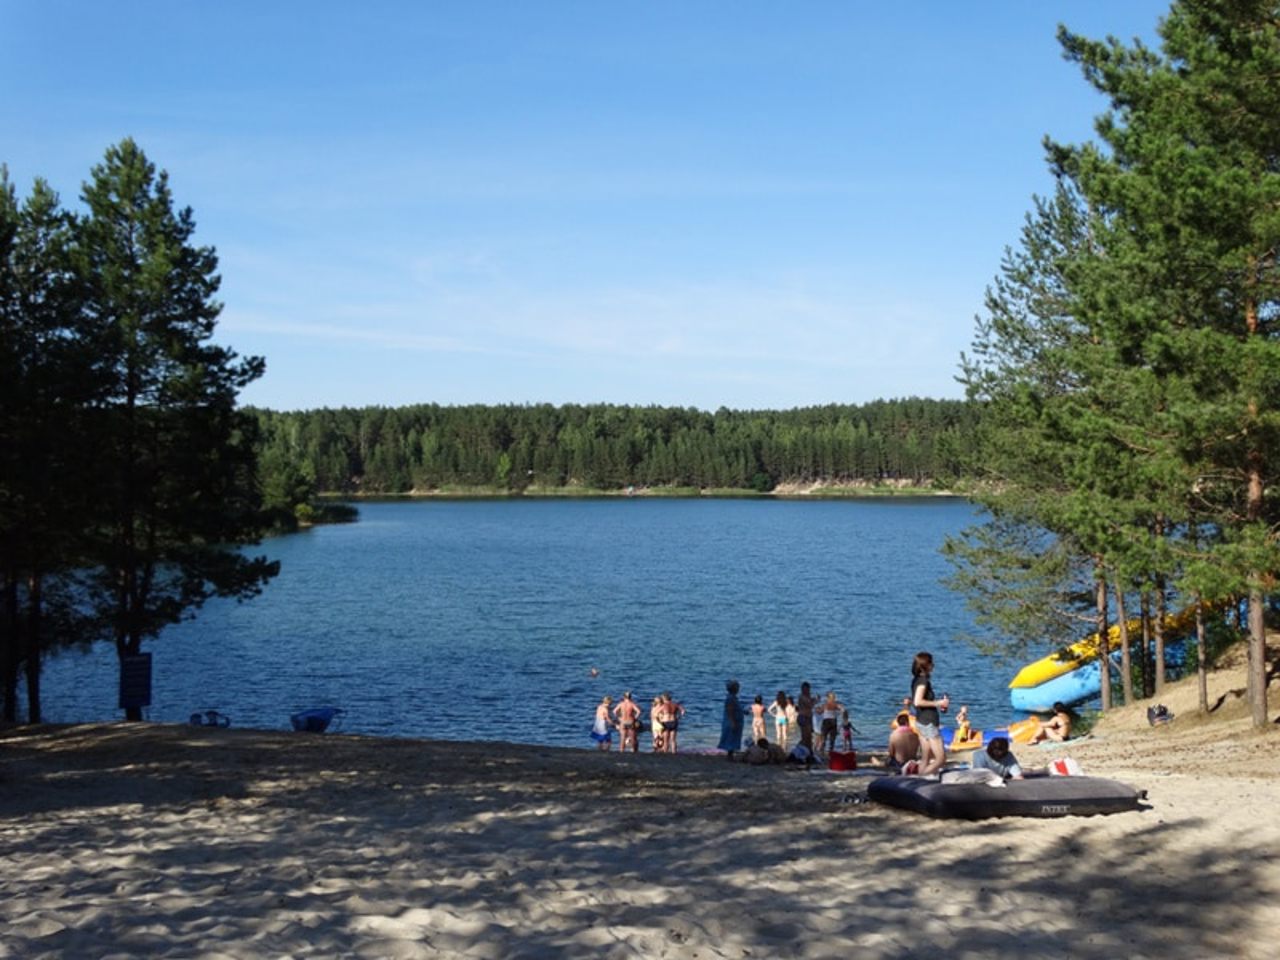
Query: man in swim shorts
627	714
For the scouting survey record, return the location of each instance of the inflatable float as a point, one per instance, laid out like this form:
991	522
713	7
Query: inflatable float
976	739
1019	731
1074	675
1033	797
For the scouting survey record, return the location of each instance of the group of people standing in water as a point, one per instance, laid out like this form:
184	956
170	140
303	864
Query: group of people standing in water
626	716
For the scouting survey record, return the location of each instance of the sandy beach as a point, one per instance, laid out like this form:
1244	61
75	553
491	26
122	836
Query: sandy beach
170	841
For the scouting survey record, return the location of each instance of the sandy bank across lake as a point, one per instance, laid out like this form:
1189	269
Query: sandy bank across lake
169	841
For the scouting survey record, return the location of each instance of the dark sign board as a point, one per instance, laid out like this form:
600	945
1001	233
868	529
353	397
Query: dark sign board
135	680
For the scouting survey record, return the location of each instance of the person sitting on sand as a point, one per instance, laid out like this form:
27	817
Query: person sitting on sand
1057	728
904	743
998	759
757	719
800	754
904	707
627	714
602	732
762	752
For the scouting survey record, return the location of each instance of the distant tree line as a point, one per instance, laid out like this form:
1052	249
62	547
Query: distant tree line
429	447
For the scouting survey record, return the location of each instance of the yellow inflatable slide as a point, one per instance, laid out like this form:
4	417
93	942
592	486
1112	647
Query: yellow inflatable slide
1086	650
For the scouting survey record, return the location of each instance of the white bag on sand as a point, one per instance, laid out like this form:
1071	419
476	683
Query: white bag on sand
1065	767
989	777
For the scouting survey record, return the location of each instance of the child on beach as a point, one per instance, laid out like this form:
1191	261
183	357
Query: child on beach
757	719
793	721
964	734
778	710
846	729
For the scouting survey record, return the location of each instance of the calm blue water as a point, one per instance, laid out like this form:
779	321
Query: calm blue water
483	619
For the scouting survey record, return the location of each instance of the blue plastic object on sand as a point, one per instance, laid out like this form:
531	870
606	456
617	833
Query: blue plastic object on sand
316	720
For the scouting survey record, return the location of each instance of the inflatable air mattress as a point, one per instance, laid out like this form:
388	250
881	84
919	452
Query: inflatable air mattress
1033	797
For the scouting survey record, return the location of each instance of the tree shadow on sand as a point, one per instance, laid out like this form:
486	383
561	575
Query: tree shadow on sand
171	842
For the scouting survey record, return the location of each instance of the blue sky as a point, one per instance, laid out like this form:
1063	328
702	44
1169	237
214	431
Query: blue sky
746	204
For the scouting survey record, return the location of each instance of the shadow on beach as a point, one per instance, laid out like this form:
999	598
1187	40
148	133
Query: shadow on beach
174	841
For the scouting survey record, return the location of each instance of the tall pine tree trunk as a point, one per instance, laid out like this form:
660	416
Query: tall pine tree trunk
1126	661
127	646
1257	600
1145	663
34	647
1202	673
1257	659
10	635
1157	634
1104	639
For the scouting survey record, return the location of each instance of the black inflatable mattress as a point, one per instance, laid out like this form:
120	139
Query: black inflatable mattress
1033	797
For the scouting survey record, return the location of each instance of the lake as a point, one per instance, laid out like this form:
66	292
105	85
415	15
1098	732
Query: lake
484	619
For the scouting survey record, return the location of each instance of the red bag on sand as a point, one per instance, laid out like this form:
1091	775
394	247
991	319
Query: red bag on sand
843	760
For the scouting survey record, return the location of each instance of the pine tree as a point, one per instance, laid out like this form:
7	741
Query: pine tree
1188	186
176	464
45	488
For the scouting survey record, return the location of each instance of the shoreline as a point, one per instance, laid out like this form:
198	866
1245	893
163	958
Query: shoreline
814	491
178	841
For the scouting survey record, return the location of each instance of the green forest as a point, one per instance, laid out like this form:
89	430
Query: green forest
431	448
